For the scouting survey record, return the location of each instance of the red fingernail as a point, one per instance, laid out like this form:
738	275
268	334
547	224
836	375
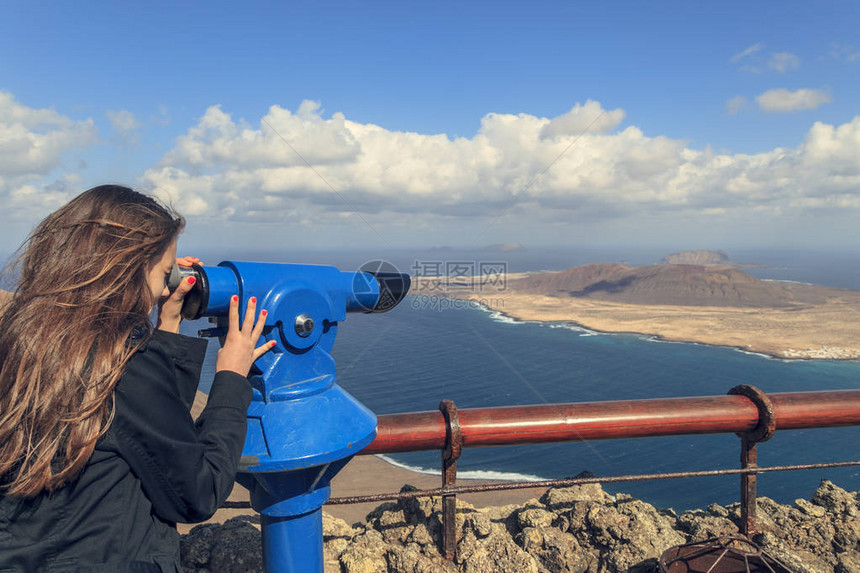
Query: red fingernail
263	313
253	300
191	280
273	343
235	298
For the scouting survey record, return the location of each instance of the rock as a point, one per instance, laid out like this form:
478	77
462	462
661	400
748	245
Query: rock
410	558
801	537
392	525
335	527
534	517
700	525
809	509
479	523
833	498
501	513
337	535
625	534
563	497
233	547
366	554
426	510
497	552
421	536
847	563
718	510
568	530
196	546
230	551
797	561
556	551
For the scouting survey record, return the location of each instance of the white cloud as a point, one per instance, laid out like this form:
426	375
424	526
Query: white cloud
41	198
219	141
125	125
33	143
590	117
747	52
783	100
783	62
226	169
753	60
844	52
736	104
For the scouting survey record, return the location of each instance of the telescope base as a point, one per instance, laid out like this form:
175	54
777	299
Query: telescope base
293	544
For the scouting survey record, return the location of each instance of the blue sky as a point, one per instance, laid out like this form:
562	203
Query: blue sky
679	124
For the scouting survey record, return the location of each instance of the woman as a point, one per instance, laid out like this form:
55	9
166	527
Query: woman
99	456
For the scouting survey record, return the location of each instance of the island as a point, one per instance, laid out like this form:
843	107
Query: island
712	302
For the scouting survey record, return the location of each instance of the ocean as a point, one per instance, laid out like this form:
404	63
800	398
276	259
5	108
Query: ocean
415	355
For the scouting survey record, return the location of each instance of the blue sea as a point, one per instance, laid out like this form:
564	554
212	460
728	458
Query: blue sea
415	355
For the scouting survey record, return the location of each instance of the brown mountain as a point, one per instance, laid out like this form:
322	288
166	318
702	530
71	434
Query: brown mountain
697	258
683	284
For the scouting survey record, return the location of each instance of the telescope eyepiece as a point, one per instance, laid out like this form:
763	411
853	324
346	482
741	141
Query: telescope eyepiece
197	299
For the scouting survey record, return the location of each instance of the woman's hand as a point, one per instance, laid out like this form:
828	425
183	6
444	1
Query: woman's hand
170	307
188	261
238	352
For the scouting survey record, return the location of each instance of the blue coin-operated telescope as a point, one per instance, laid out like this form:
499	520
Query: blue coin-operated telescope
302	427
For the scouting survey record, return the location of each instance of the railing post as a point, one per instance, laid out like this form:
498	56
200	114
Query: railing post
749	485
763	431
450	454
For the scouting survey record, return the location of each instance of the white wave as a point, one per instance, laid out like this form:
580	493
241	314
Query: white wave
650	338
788	281
767	356
497	476
499	316
468	474
576	328
742	351
503	318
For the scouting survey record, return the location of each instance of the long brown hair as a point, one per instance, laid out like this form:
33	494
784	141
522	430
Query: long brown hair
66	335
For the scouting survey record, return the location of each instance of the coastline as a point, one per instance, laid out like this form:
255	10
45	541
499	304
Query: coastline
830	331
804	322
589	331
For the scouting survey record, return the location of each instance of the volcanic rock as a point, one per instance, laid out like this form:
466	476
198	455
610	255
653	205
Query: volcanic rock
579	529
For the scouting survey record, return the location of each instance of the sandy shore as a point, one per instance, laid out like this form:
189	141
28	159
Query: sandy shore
827	331
830	330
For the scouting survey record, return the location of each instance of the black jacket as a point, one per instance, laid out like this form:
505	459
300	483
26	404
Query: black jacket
155	466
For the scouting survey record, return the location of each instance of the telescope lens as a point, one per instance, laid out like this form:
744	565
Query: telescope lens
393	285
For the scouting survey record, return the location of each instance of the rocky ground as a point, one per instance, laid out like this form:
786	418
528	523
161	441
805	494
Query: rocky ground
579	529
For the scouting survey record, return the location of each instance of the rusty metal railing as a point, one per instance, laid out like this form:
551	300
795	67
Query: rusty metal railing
746	411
